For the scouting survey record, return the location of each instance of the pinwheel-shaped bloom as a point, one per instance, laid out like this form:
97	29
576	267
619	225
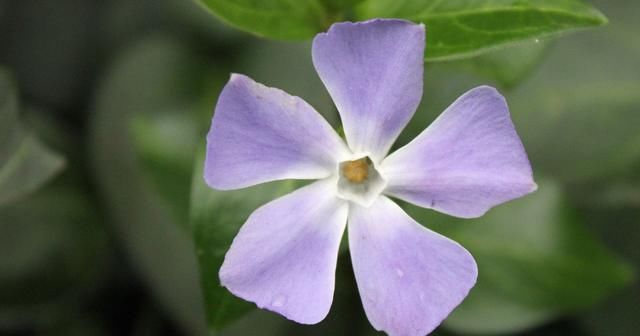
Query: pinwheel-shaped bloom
409	277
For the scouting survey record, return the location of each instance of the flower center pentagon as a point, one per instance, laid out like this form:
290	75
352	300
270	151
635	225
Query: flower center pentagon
359	181
355	171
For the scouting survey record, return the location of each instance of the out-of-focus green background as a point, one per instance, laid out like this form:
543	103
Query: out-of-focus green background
107	229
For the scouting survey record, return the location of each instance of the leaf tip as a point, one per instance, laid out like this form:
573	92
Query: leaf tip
601	18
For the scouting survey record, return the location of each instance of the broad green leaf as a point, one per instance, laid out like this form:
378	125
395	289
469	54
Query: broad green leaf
536	261
464	28
147	83
279	19
25	163
216	217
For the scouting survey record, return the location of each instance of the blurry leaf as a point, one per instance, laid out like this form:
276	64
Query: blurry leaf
29	167
287	66
488	311
52	48
340	5
25	163
268	323
52	255
619	191
280	19
165	138
567	129
165	143
620	315
80	326
464	28
536	261
216	217
162	114
124	20
578	114
507	67
135	170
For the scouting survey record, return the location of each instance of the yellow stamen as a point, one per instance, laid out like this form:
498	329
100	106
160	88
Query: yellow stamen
356	171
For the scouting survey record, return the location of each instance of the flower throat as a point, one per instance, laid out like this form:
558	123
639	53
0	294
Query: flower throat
356	171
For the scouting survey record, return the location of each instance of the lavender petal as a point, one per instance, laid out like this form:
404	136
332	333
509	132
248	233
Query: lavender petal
260	134
284	257
373	71
469	160
410	278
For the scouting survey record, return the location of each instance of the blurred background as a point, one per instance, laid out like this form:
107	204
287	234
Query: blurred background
103	110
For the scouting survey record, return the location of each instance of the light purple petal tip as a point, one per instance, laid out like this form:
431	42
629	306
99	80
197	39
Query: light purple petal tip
284	257
469	160
409	278
260	134
373	71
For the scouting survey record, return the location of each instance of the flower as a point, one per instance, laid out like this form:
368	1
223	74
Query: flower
409	277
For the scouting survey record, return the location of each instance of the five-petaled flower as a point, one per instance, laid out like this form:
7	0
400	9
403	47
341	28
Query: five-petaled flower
409	277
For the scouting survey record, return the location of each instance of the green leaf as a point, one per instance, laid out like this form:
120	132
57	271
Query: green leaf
216	217
279	19
540	266
464	28
25	163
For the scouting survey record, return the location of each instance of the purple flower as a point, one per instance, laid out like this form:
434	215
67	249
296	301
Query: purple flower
409	277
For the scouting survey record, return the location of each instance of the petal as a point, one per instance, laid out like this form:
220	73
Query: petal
410	278
260	134
373	71
284	257
469	160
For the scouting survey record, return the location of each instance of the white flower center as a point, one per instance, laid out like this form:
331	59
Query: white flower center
359	181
